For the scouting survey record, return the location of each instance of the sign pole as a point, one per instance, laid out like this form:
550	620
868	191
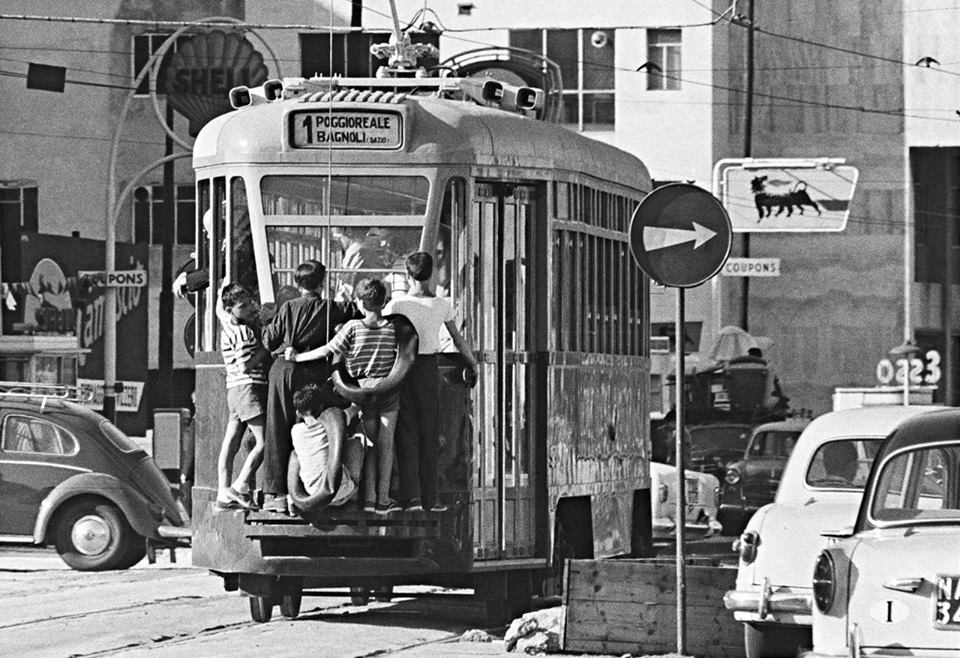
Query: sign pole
681	514
680	236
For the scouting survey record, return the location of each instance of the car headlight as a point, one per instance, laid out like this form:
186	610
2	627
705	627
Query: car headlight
732	476
747	545
664	493
824	582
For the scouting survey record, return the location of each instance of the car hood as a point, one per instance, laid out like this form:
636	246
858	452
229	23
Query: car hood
881	558
149	480
795	532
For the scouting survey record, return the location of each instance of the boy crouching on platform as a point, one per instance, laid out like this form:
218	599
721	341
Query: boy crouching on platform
330	465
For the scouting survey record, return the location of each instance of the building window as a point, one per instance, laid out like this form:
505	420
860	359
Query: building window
148	214
663	52
351	53
144	45
586	61
936	207
18	208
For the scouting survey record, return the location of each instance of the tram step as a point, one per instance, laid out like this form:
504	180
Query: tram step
347	518
262	531
355	524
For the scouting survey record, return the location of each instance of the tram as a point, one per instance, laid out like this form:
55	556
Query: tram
547	456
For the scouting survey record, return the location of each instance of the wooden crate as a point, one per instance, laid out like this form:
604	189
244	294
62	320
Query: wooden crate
630	606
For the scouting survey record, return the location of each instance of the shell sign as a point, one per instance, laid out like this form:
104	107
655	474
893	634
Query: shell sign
203	70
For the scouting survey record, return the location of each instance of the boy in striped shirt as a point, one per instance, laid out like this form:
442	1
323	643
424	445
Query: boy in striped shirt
245	359
370	348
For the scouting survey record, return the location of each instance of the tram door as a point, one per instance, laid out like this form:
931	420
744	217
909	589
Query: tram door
508	276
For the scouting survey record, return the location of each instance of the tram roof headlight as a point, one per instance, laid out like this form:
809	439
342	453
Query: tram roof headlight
240	97
273	90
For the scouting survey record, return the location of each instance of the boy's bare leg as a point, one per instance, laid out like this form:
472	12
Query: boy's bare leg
353	457
336	427
228	450
255	456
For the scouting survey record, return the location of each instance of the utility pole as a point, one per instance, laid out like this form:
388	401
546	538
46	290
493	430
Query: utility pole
747	152
165	342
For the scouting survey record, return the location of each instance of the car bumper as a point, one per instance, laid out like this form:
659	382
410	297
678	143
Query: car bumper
666	528
767	602
176	533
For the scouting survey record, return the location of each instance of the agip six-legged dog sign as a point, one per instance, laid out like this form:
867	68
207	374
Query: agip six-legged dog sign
787	195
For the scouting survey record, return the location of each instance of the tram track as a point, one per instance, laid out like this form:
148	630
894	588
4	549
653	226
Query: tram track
87	613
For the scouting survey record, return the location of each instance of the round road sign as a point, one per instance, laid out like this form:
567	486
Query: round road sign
680	235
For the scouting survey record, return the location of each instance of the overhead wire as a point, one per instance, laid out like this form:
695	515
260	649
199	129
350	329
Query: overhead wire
795	101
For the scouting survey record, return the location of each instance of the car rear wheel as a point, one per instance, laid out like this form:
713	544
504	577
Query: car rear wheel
94	536
774	641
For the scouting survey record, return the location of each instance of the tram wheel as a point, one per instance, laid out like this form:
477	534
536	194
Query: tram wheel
359	596
290	605
261	608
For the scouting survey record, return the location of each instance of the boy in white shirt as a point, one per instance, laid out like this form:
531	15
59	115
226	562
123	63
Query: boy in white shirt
418	437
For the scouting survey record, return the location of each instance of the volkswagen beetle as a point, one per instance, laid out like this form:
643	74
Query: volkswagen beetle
71	479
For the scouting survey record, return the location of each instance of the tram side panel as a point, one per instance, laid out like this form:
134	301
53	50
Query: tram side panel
597	447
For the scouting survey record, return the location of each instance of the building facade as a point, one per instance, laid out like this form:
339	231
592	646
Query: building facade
665	81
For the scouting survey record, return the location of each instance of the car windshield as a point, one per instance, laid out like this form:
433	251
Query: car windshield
919	486
842	464
709	439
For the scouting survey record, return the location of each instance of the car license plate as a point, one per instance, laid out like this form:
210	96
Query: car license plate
948	602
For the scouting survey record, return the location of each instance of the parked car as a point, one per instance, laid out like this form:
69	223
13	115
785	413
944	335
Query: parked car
71	479
702	491
752	482
777	551
890	585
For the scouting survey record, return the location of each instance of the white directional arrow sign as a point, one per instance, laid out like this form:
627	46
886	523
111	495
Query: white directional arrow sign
658	237
689	220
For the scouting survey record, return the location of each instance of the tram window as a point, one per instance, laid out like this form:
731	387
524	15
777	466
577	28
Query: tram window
243	269
350	252
452	218
344	195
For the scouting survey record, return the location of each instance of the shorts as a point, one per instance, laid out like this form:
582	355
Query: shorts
346	491
380	403
246	401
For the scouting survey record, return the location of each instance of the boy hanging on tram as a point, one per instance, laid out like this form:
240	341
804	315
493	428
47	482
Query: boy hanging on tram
246	379
301	324
418	435
326	463
370	348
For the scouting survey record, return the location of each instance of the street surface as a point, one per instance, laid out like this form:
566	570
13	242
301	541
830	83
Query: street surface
174	609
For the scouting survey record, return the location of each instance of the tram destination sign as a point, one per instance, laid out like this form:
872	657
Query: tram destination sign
344	129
